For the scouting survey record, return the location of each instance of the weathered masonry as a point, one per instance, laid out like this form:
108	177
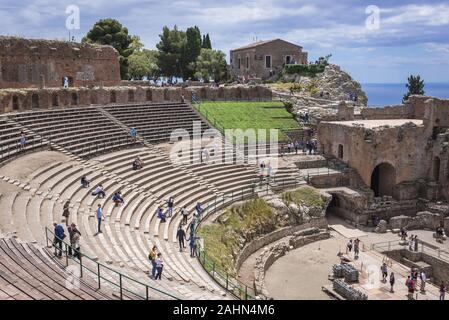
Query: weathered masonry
28	63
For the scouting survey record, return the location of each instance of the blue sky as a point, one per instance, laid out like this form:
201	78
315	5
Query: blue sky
412	38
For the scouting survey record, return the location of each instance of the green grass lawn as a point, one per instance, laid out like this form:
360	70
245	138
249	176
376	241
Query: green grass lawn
248	115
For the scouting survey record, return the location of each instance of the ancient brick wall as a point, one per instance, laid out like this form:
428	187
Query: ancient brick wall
26	99
27	63
363	149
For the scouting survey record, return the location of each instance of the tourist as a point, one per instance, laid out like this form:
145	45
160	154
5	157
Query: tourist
192	244
262	167
152	257
411	242
356	248
84	182
392	280
100	216
182	98
349	246
199	210
296	144
411	287
289	147
99	192
384	270
59	237
22	141
160	214
403	234
170	204
416	243
74	237
193	225
442	290
181	235
185	214
133	133
205	155
66	212
423	277
137	164
159	266
117	199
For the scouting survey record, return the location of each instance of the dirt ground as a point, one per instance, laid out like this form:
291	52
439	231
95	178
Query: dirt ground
301	273
22	167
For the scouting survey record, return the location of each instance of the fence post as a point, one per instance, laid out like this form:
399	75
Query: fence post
46	235
146	289
246	292
81	263
121	290
227	282
99	277
213	269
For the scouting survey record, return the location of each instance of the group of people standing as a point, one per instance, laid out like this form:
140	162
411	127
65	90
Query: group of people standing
309	146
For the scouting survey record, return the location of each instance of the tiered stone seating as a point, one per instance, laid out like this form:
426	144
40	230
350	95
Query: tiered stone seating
26	273
81	131
9	140
130	231
155	122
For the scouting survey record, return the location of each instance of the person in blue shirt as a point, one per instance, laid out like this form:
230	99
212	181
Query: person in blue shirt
160	214
199	209
133	133
192	244
170	204
118	200
100	216
59	236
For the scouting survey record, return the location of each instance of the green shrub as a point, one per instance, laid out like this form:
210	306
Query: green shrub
304	70
222	239
306	195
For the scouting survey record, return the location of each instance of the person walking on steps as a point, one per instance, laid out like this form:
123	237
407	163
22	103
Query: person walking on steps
192	245
185	215
159	266
152	256
392	280
59	237
100	217
66	212
181	235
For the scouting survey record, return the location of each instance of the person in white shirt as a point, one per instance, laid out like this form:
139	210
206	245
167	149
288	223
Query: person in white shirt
423	281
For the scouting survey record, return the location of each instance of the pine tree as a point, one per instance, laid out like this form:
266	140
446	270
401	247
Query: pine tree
415	86
111	32
206	42
192	51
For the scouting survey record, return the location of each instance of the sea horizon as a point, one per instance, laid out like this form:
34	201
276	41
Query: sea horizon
384	94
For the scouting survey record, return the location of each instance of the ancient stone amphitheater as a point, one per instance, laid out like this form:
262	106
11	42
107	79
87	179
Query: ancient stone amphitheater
95	142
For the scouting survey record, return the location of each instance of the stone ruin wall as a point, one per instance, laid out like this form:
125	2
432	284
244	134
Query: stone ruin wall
28	63
12	100
364	149
414	108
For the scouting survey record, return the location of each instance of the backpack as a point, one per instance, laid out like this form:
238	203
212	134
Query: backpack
151	256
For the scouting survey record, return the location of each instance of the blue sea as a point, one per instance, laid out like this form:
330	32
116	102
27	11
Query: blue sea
382	94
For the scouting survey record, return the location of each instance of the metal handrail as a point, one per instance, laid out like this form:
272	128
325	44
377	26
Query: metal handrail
423	247
50	236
